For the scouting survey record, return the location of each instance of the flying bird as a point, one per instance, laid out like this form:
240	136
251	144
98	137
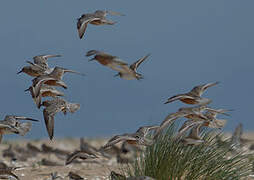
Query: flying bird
194	137
193	113
105	59
139	137
79	154
52	79
12	125
194	96
130	72
54	106
39	66
96	18
45	91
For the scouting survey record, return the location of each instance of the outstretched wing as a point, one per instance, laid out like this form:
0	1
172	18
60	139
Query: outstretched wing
178	97
135	65
83	22
116	139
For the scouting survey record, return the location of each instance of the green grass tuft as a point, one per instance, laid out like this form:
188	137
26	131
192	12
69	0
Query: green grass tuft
170	159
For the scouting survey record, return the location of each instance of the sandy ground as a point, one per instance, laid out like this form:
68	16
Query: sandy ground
89	169
34	170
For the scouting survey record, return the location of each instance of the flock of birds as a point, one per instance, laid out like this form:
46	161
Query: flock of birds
47	78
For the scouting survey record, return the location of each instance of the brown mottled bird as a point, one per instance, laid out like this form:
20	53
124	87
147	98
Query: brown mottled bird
52	79
105	59
45	91
139	137
130	72
194	96
54	106
79	154
39	66
74	176
12	125
193	138
189	113
96	18
6	172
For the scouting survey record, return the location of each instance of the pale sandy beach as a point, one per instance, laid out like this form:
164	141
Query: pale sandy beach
88	169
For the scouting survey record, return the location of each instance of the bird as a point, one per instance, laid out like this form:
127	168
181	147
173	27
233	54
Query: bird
12	125
96	18
194	96
79	154
39	66
74	176
54	106
105	59
188	125
45	91
193	138
187	112
52	79
6	172
211	114
130	72
139	137
117	176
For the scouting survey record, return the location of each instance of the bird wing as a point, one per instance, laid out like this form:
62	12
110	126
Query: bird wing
82	23
78	154
178	97
48	114
116	139
136	64
24	118
167	121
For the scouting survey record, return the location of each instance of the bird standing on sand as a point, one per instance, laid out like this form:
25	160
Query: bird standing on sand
194	96
54	106
74	176
6	172
96	18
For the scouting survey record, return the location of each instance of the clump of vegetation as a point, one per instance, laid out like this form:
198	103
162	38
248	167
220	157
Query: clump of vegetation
168	159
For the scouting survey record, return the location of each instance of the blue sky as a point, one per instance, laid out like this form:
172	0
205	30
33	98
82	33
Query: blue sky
191	43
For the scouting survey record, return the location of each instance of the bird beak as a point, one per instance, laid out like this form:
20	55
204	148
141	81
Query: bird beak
91	59
117	75
20	71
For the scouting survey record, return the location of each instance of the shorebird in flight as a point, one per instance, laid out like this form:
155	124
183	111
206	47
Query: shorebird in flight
194	96
39	66
189	113
52	79
45	91
79	154
12	125
130	72
54	106
193	138
190	124
211	114
139	137
105	59
96	18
